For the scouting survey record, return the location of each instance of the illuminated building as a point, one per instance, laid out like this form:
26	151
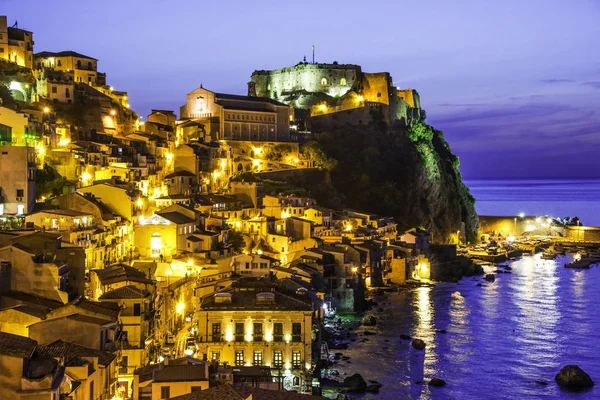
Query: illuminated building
84	68
233	117
255	323
16	45
17	180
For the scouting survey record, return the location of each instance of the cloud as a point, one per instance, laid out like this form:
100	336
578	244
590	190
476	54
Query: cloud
592	84
551	81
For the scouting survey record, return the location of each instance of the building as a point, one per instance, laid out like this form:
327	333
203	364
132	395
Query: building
233	117
244	392
252	265
344	89
56	86
17	180
256	323
14	354
16	45
84	68
170	378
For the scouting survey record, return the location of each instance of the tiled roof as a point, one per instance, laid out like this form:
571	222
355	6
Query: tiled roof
125	292
176	218
240	392
222	392
121	273
145	373
87	319
105	308
70	350
183	172
181	373
45	54
16	346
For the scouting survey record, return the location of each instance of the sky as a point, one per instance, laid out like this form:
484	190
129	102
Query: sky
513	84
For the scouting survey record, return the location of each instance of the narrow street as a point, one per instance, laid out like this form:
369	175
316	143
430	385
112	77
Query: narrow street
180	341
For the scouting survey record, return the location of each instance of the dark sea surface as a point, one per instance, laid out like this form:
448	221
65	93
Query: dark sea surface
555	198
501	338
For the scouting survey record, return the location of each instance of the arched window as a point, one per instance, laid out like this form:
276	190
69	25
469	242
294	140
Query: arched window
324	81
343	82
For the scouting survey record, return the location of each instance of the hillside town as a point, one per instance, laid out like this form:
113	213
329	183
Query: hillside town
162	256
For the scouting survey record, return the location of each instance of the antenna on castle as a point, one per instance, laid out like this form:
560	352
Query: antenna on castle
313	53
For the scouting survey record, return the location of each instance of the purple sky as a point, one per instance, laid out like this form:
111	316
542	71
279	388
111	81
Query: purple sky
515	85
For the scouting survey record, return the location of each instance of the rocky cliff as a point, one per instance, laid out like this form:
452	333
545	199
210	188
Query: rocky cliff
408	172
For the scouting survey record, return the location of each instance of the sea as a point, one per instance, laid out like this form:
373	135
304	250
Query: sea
554	198
505	339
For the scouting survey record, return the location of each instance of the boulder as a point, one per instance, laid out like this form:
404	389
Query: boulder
405	337
418	344
490	277
437	382
369	320
372	388
355	383
574	378
440	331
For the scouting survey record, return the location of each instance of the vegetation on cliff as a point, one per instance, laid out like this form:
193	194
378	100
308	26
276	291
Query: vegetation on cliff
409	173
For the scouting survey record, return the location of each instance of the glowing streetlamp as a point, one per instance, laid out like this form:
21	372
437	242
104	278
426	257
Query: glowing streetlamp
46	110
180	308
113	112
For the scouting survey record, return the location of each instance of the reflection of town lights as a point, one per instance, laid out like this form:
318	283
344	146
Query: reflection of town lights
180	308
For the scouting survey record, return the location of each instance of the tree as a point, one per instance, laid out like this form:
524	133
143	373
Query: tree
236	239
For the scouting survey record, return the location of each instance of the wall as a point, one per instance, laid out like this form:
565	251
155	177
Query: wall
19	122
177	388
168	234
115	198
85	334
11	370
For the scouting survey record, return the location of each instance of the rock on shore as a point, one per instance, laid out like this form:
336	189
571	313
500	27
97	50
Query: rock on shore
355	383
418	344
573	377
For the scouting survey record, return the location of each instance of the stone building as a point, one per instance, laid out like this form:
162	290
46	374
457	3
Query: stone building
16	45
341	89
233	117
17	179
84	67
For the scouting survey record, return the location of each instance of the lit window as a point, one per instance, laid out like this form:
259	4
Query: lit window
277	359
257	358
239	358
343	82
296	360
324	81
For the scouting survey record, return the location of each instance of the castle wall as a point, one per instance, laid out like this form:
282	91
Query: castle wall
332	79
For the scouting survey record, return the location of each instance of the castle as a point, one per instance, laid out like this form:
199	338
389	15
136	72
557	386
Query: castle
344	90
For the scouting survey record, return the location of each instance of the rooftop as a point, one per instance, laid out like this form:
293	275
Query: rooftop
176	218
68	350
46	54
241	392
181	373
125	292
121	273
16	346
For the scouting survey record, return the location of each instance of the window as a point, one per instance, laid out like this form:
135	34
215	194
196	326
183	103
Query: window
165	392
278	332
196	389
343	82
247	265
216	331
239	331
258	332
257	358
59	63
239	358
263	265
91	389
324	81
67	93
296	332
277	359
54	90
296	360
137	309
79	64
216	356
20	193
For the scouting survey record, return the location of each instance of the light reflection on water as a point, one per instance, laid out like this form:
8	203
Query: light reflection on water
500	338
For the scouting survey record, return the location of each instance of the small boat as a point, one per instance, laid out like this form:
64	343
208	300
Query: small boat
578	264
548	256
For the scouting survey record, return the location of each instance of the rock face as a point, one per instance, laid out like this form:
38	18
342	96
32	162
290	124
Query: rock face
418	344
573	377
437	382
355	383
410	170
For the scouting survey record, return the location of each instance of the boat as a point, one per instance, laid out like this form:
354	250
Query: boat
548	256
578	264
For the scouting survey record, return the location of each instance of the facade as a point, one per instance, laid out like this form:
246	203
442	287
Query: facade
17	180
16	45
84	68
233	117
170	378
256	323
